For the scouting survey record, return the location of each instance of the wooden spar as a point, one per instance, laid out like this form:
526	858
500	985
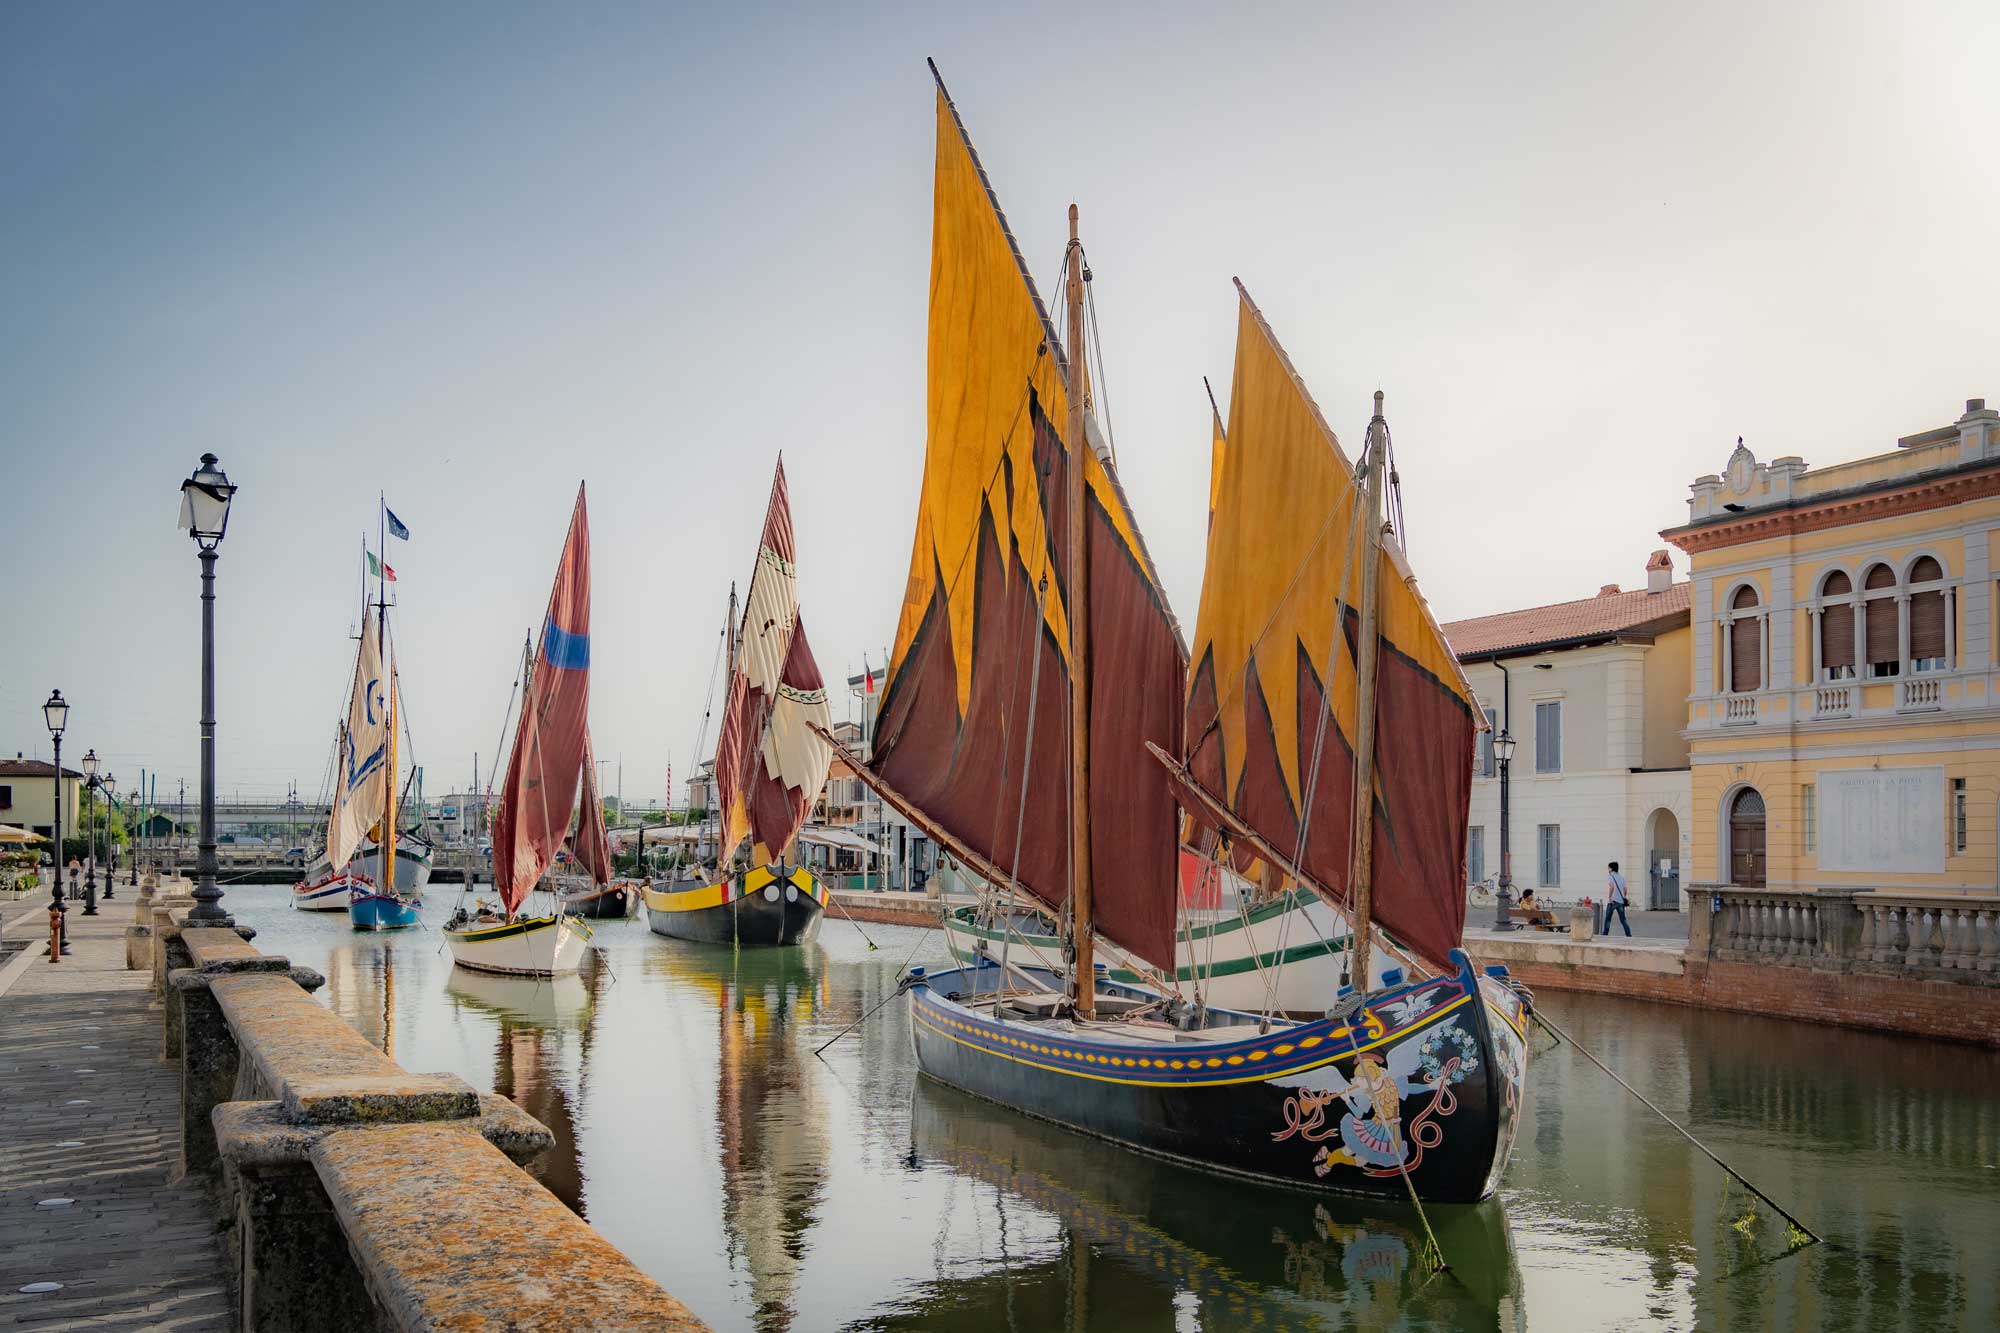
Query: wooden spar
1369	515
385	847
909	809
1206	805
1077	611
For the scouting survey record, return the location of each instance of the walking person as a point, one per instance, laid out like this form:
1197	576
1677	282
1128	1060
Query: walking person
1615	901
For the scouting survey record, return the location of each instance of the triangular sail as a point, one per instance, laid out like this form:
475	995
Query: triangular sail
549	744
361	784
983	626
1282	572
770	764
588	842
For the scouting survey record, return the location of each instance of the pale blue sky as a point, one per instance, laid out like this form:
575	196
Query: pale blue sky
469	254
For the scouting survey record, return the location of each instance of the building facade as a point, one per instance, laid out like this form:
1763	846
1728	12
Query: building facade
1594	693
28	795
1844	722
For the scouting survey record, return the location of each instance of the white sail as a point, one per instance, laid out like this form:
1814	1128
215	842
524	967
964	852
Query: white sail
361	788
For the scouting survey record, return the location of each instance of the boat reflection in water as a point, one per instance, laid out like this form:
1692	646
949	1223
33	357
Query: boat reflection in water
1142	1243
770	1123
543	1023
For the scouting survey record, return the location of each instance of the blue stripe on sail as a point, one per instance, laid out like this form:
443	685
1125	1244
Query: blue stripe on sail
562	649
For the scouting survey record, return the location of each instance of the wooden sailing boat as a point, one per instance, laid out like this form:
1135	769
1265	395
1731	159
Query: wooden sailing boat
770	765
1030	583
551	761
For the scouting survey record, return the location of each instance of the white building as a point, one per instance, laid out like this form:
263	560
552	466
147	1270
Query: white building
1594	693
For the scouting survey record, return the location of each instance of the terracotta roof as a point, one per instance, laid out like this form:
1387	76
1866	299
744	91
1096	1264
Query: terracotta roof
33	768
1604	616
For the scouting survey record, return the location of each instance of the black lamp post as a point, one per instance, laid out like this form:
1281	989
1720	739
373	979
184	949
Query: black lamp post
56	713
110	848
1503	754
205	515
90	832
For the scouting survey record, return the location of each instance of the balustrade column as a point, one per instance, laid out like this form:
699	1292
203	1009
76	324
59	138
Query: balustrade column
1989	939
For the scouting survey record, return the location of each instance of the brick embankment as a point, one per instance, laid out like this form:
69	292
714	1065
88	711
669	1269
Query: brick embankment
1952	1011
91	1113
889	909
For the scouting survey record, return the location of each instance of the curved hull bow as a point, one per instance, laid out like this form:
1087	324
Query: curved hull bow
1425	1082
765	907
530	946
327	893
368	910
413	867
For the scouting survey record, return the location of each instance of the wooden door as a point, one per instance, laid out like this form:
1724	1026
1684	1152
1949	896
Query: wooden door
1746	841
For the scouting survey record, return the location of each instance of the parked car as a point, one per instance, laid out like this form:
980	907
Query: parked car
295	856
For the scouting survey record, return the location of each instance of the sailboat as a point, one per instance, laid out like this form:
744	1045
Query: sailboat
551	761
770	765
1039	723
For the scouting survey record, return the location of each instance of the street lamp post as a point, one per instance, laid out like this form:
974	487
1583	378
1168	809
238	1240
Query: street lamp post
205	500
110	848
1503	754
56	713
90	832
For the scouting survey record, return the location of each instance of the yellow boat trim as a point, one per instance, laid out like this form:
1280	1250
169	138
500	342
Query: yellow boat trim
1184	1061
715	895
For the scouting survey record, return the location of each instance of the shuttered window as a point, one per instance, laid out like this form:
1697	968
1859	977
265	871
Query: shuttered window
1927	611
1549	736
1487	766
1475	854
1550	840
1881	644
1746	643
1836	628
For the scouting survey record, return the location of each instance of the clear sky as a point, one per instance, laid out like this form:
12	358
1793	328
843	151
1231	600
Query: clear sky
469	255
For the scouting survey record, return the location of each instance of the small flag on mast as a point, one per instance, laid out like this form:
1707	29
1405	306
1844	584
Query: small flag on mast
380	569
396	528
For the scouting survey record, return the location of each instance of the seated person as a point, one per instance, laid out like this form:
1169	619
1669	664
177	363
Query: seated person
1533	910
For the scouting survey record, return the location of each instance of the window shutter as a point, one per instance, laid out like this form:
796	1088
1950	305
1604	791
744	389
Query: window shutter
1926	625
1745	654
1548	737
1487	764
1475	854
1836	635
1881	631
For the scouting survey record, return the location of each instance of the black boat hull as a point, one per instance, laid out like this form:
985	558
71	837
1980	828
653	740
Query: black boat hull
613	904
1425	1083
768	907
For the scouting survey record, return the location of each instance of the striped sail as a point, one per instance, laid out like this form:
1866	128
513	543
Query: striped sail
361	785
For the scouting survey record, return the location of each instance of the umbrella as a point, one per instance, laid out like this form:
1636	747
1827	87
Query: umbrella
9	833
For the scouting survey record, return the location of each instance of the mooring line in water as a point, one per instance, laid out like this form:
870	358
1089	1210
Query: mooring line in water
902	977
1812	1237
835	900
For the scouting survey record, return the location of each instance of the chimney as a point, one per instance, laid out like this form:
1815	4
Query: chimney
1608	590
1659	572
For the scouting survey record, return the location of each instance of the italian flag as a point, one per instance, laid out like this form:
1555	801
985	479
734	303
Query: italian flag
380	569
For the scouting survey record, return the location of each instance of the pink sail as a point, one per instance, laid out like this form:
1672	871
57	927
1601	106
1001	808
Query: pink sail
552	742
589	843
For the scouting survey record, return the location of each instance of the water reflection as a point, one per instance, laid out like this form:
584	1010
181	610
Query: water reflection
1140	1243
768	1115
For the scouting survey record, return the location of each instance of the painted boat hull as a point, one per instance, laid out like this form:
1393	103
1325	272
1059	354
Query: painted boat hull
535	946
767	907
367	910
1446	1057
1234	959
613	904
327	893
413	867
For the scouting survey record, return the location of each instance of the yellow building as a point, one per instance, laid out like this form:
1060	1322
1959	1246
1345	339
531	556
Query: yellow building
28	797
1844	719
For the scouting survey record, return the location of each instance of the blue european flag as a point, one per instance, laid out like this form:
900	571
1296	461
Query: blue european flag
396	528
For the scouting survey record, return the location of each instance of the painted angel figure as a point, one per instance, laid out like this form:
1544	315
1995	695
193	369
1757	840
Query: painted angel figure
1371	1133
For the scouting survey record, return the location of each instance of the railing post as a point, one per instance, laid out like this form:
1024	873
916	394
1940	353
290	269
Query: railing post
1989	940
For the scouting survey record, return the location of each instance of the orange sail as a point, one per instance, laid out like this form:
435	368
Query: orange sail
552	740
1272	700
975	710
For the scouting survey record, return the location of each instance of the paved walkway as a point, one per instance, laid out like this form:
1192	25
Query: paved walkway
1667	931
89	1113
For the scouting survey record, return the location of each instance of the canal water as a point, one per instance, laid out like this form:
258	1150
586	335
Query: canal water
771	1190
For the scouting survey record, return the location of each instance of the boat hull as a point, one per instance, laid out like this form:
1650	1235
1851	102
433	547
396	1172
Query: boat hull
1290	955
534	946
367	910
767	907
614	903
1425	1082
413	867
327	893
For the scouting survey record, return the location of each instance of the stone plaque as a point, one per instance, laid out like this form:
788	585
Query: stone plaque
1882	820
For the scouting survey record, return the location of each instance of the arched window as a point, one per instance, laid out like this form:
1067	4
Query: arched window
1746	839
1928	650
1836	627
1746	642
1881	645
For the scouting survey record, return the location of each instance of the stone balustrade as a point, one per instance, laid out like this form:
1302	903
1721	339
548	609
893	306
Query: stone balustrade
1856	930
359	1195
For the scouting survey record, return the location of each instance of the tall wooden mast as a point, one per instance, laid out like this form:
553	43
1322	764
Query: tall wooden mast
385	847
1082	932
1361	875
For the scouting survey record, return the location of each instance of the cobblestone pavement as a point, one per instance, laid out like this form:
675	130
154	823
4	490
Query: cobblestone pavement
90	1114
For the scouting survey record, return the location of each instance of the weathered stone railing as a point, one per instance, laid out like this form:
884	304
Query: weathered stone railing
1853	930
359	1195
